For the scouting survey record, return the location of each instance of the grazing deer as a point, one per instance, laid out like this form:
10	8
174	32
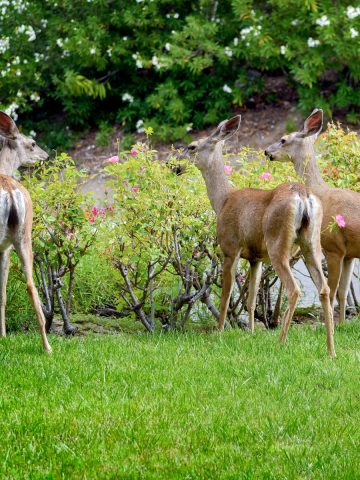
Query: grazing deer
341	246
16	215
261	224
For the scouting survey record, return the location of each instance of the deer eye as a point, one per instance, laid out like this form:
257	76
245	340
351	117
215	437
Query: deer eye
33	144
282	141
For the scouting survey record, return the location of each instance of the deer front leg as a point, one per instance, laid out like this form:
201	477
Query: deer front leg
335	265
254	282
344	285
227	286
4	272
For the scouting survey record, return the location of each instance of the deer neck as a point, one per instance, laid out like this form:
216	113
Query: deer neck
217	184
306	166
9	158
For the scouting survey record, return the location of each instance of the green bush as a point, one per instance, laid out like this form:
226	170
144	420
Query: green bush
172	67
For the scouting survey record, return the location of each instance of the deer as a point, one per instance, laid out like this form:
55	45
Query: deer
261	225
341	246
16	215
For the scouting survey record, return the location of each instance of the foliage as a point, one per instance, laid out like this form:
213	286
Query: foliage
181	406
173	68
340	157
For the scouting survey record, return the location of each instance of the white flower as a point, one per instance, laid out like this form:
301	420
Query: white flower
352	12
236	41
167	47
44	22
18	72
92	50
32	133
295	22
19	93
155	61
16	61
139	125
11	110
109	51
227	89
282	49
139	1
228	51
353	33
313	43
323	21
124	38
37	57
3	73
139	64
126	97
30	32
189	127
60	42
35	97
176	15
4	44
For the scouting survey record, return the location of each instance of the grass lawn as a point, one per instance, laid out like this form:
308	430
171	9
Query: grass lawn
181	406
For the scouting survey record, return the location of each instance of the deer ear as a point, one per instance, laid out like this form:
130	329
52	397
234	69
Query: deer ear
227	128
8	128
313	124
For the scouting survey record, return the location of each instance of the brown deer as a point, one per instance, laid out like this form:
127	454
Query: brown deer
261	224
341	246
16	215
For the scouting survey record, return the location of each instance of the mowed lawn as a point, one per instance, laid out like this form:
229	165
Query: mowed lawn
181	406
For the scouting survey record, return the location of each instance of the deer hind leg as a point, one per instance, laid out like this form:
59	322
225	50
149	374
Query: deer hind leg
254	282
24	251
4	272
312	258
227	286
344	285
282	268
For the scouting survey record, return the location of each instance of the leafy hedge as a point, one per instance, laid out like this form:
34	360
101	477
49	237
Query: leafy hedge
174	66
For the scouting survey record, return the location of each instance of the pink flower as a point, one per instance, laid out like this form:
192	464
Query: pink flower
133	152
340	220
94	211
135	189
228	169
114	159
265	176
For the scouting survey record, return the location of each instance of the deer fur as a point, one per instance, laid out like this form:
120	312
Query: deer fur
259	225
16	215
342	245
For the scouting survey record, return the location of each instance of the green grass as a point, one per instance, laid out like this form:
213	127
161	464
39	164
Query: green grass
181	406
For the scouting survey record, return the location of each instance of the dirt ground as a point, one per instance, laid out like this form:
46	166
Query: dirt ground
260	127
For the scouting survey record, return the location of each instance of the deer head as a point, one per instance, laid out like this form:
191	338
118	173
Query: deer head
290	146
202	151
18	149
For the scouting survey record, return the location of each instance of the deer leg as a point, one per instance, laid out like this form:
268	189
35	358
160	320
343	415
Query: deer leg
4	272
227	286
282	268
254	282
313	263
335	265
24	251
344	285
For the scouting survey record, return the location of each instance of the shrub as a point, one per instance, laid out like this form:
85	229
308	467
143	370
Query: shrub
172	68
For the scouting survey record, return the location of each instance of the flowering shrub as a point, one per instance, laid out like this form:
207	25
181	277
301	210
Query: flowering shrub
65	227
174	67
